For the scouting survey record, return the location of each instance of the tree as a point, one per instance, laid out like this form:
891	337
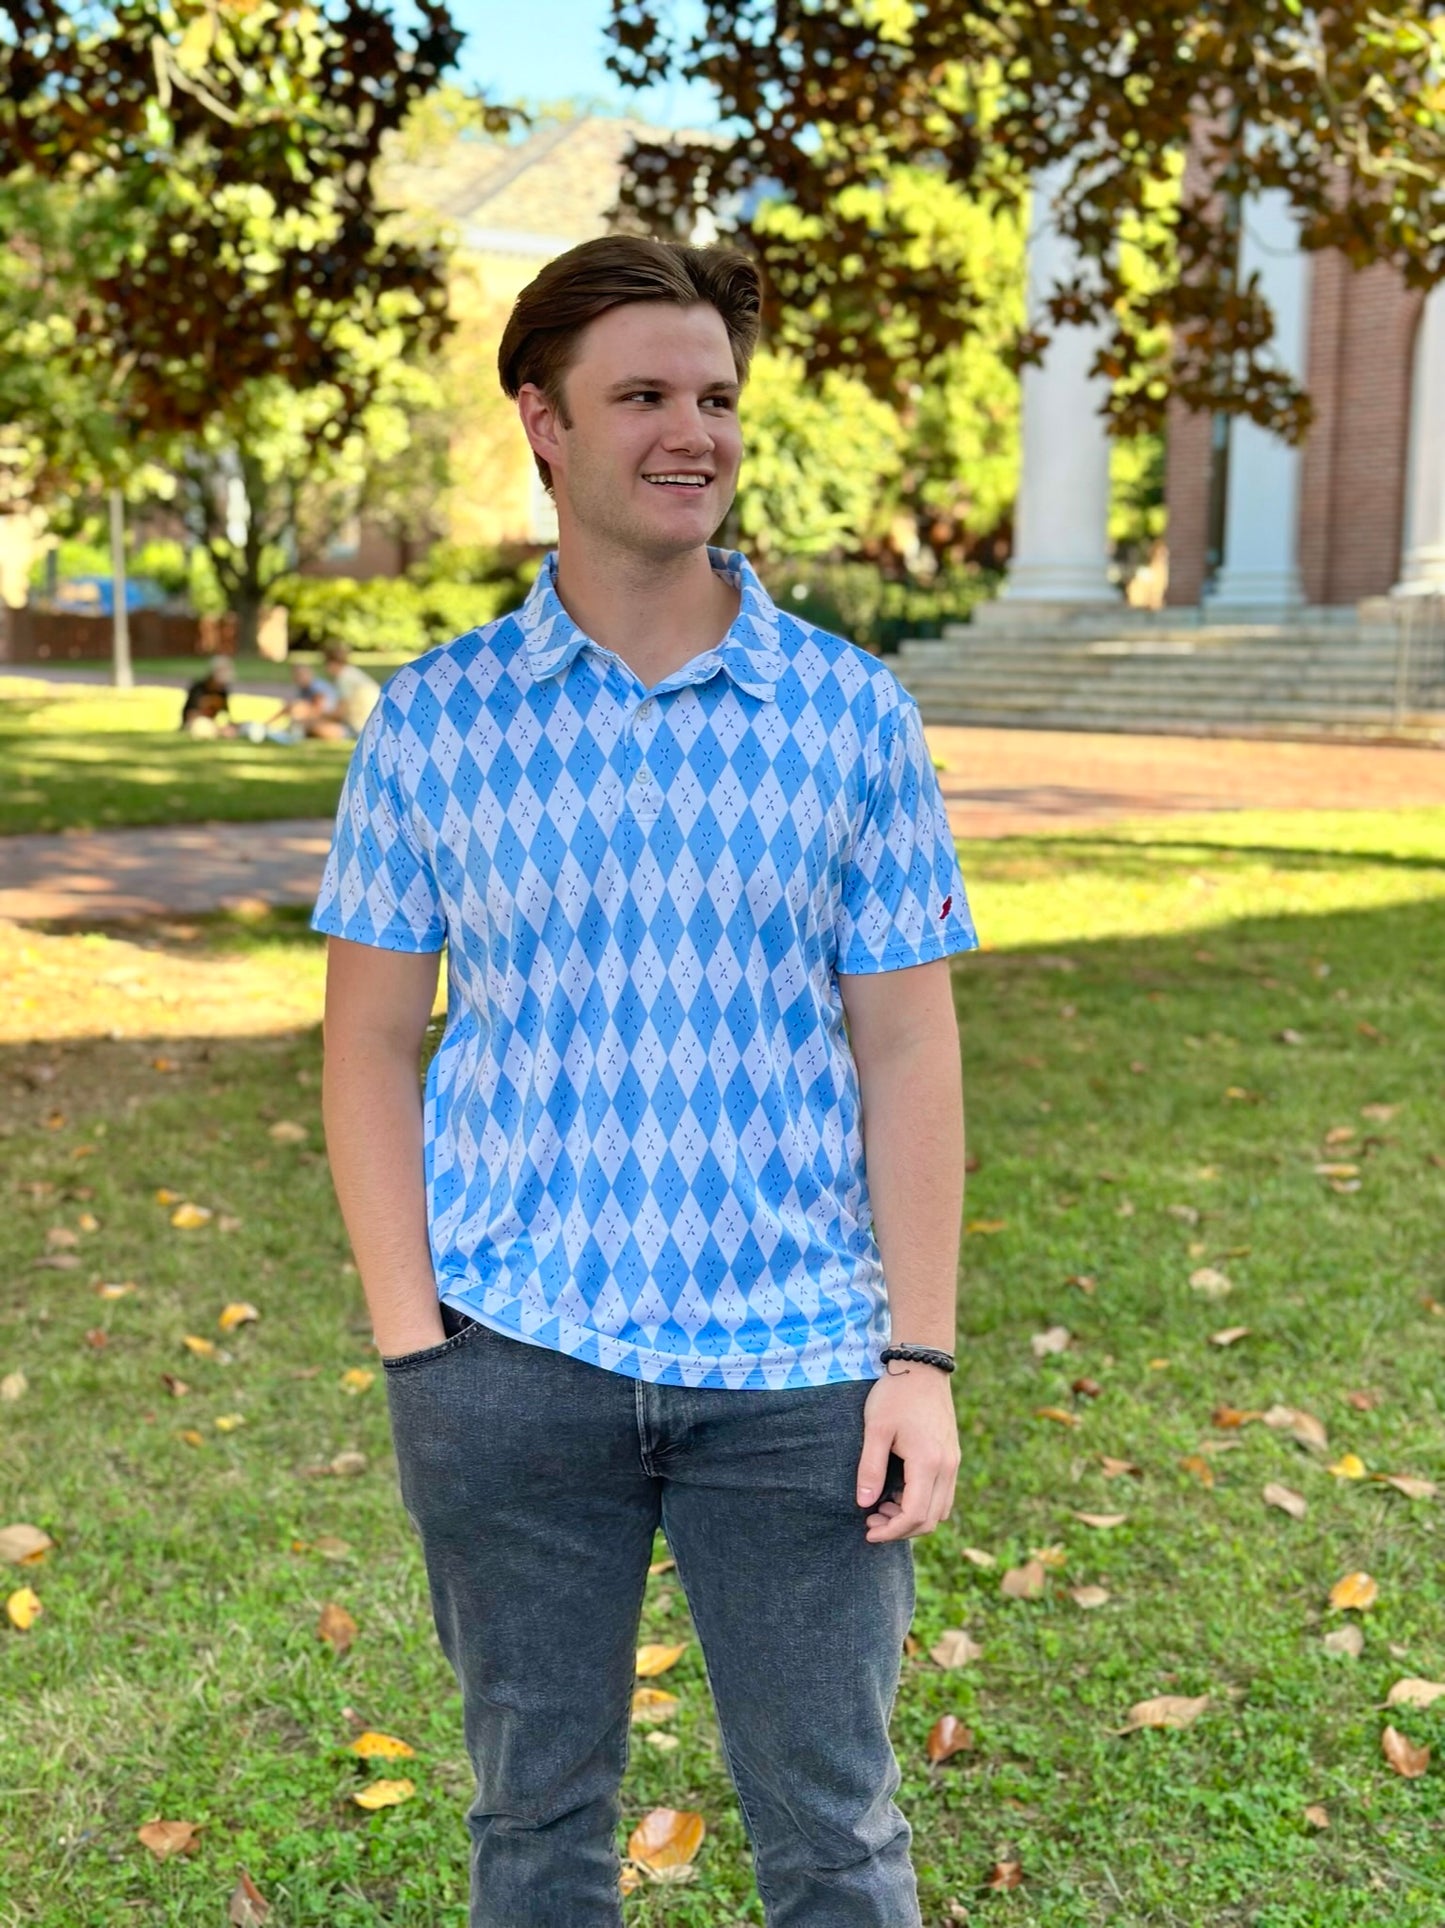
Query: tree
1341	108
247	304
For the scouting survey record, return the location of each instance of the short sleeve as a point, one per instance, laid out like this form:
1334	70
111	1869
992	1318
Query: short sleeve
903	897
379	886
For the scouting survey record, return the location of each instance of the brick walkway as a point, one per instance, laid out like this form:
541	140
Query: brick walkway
998	783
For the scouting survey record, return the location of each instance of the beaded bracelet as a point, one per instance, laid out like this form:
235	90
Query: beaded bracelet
921	1356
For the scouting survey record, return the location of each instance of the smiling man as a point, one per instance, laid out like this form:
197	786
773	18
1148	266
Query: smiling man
671	1238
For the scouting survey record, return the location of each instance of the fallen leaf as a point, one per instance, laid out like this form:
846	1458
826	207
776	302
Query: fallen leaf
1357	1591
1165	1710
658	1737
14	1386
1406	1483
1089	1597
88	1222
286	1131
1086	1389
1058	1415
371	1746
1229	1335
384	1794
248	1907
191	1437
1210	1283
661	1566
628	1880
203	1348
1200	1467
1085	1283
228	1222
976	1556
1186	1214
1288	1036
177	1388
57	1262
1348	1640
1333	1168
165	1196
1403	1755
336	1627
329	1547
1056	1339
122	1290
1025	1582
97	1339
23	1544
1415	1693
1363	1402
165	1838
348	1465
985	1227
1340	1134
1005	1875
164	1064
947	1736
651	1705
1232	1416
654	1659
954	1648
1103	1521
24	1608
1378	1114
1286	1499
1302	1427
1317	1816
1054	1558
238	1313
190	1218
1370	1031
1117	1468
1348	1466
666	1839
61	1238
357	1379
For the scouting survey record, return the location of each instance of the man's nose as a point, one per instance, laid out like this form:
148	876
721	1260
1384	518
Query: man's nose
688	430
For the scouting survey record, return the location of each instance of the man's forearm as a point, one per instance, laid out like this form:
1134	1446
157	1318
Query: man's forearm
914	1155
372	1106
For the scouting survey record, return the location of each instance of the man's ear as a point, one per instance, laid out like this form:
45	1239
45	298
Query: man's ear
542	422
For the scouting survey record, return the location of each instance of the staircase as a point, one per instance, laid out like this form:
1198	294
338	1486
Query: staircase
1368	674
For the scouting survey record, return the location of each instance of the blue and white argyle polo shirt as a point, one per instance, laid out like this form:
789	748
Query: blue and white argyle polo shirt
642	1124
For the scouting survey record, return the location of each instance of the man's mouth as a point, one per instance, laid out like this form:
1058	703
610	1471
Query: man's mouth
678	479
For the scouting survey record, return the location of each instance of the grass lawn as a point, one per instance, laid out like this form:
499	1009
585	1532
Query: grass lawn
81	756
1175	1030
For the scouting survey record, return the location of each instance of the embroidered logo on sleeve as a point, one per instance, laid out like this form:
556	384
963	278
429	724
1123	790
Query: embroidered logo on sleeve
947	906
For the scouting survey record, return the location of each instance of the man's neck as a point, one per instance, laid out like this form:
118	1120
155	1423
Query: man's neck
655	615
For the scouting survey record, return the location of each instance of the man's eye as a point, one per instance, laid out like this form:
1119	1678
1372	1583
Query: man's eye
723	402
642	395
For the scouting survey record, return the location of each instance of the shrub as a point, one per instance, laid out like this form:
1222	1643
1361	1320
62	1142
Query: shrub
856	600
392	615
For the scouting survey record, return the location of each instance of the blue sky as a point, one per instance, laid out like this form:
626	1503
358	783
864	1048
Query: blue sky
547	50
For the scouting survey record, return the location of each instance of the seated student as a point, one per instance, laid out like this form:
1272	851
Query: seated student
308	713
207	708
357	693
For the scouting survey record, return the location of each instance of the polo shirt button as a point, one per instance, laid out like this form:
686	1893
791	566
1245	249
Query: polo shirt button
644	775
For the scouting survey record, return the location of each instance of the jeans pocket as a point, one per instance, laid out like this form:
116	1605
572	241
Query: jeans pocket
410	1361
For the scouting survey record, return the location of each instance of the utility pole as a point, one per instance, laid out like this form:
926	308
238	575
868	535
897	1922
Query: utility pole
121	675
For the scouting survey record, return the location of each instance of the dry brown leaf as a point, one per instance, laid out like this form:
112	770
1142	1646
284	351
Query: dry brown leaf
1025	1582
336	1627
1089	1597
1348	1466
1403	1755
120	1290
165	1196
1103	1521
23	1544
347	1465
1333	1168
1199	1467
1317	1816
14	1386
371	1746
1057	1414
1055	1339
1117	1468
1413	1692
384	1794
1340	1134
947	1736
190	1436
1229	1335
651	1705
1005	1875
1186	1214
1356	1592
1378	1114
1086	1388
976	1556
628	1880
654	1659
1086	1284
248	1907
1363	1402
1286	1499
1165	1710
286	1131
177	1388
202	1348
1301	1426
240	1312
190	1218
357	1379
328	1546
666	1839
23	1608
1211	1283
1406	1483
165	1838
60	1238
661	1566
954	1648
1054	1557
1349	1640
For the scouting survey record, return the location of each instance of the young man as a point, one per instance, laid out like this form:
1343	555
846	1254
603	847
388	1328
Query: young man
624	1261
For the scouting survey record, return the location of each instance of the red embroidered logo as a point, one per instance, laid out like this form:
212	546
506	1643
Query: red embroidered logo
947	907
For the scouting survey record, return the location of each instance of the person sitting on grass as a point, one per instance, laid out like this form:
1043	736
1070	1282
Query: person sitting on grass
357	692
310	712
207	708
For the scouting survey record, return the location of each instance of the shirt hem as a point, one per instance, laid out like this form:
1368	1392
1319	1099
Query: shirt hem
326	926
896	960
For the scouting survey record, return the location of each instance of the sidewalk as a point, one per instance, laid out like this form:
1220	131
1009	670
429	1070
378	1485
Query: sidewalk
997	783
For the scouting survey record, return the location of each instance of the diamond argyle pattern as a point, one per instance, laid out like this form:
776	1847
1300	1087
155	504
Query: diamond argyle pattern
642	1126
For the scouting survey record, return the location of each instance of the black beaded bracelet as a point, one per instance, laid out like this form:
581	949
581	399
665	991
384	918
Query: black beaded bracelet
921	1356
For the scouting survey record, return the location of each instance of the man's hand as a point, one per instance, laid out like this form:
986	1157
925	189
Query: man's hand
910	1413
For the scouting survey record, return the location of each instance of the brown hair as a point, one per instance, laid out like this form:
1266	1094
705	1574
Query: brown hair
552	311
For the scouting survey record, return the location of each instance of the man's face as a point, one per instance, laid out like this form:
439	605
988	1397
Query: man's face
648	453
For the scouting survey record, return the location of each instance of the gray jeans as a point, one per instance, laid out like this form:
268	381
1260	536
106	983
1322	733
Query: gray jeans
537	1483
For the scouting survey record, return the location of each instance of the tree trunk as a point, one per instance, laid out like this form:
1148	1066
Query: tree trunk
246	607
120	673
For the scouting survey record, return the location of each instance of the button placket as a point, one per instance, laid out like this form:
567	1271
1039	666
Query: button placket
646	792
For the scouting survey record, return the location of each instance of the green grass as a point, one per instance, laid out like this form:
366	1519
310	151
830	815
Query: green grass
79	756
1124	1055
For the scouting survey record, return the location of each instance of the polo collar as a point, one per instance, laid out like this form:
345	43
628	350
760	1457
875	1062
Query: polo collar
750	653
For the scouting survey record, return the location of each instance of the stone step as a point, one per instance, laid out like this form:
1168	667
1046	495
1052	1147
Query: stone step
1426	729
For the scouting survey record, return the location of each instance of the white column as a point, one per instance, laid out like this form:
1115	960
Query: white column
1423	570
1061	519
1261	517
